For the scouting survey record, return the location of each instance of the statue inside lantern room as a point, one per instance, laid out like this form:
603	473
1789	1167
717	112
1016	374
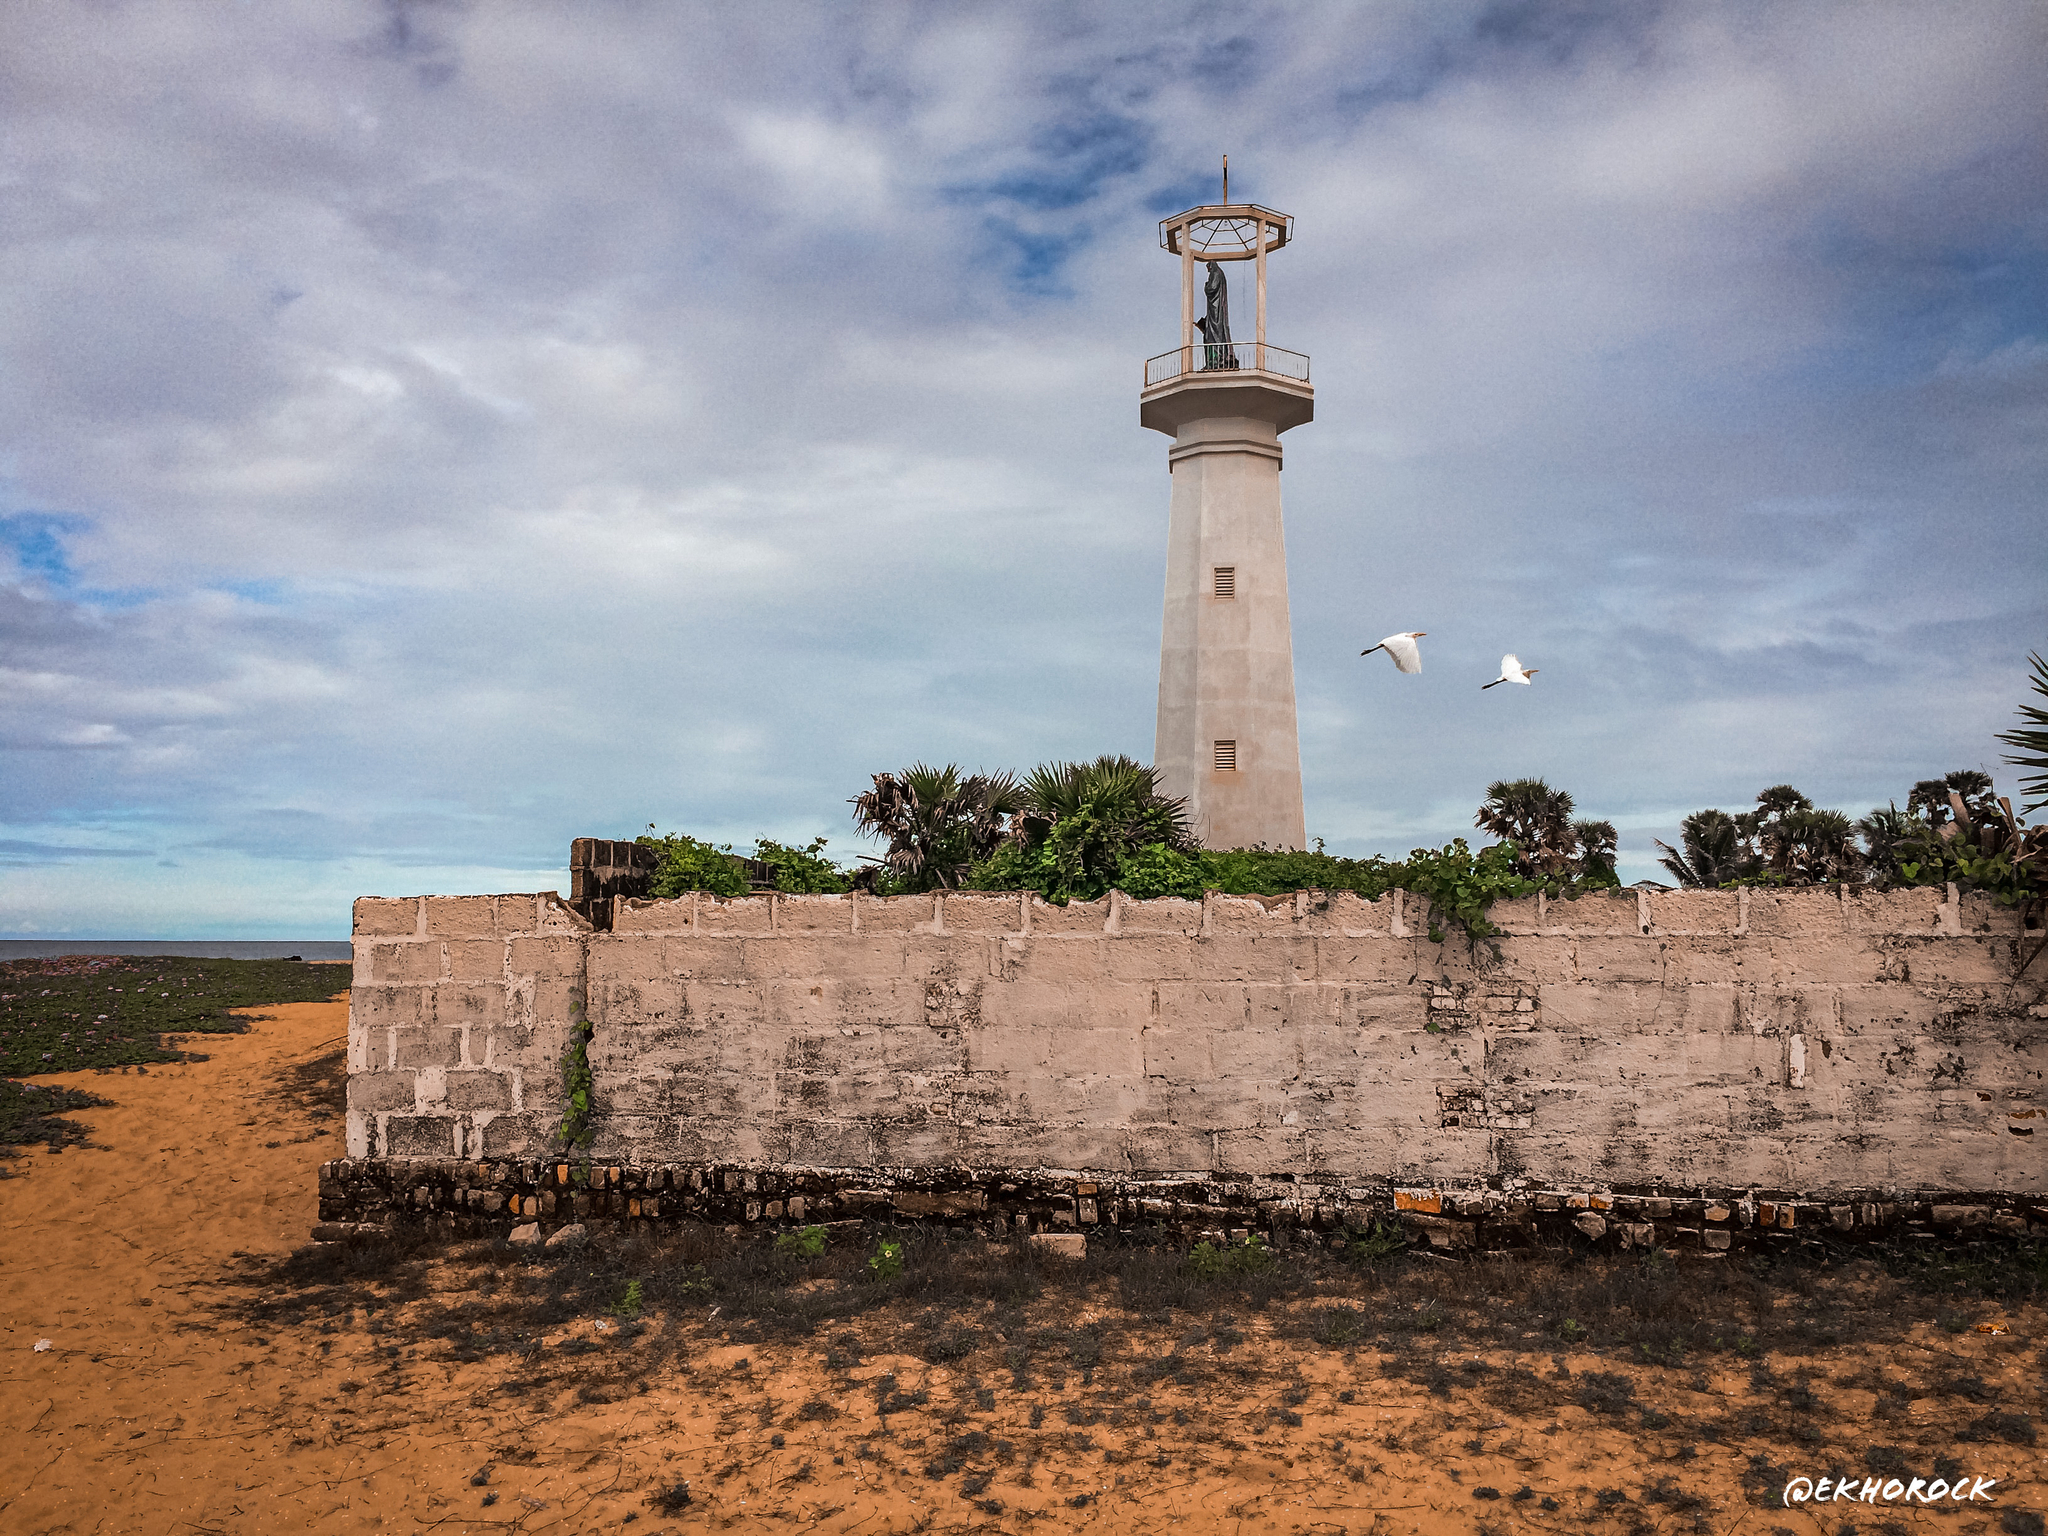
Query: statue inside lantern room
1215	326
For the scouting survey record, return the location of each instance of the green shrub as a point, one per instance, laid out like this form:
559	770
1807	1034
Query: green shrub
1459	884
690	865
1157	870
1210	1262
1461	887
806	1244
1077	829
1086	828
1377	1245
886	1263
1957	829
801	871
1274	872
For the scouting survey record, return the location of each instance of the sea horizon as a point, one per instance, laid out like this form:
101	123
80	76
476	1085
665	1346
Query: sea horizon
198	949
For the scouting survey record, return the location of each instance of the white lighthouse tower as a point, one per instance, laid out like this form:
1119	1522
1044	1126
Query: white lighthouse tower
1226	738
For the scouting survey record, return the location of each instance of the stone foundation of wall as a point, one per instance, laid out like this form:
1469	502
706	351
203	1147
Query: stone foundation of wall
484	1199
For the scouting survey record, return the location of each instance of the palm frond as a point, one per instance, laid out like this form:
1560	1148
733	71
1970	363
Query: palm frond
2031	740
1674	862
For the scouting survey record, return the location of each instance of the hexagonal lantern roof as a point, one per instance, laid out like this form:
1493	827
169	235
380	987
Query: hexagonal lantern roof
1226	231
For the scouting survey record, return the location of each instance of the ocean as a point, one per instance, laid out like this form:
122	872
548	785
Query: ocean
198	949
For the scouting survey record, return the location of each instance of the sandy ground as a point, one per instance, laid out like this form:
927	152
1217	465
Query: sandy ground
154	1411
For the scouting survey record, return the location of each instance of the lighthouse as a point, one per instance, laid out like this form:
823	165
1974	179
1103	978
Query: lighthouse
1226	739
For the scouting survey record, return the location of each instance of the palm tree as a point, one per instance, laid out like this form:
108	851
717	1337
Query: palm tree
1594	859
2032	741
1811	847
1785	836
1782	800
1536	819
1883	831
1717	850
1122	793
1930	797
937	822
1779	825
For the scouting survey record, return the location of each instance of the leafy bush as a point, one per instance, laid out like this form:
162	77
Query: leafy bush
1462	887
689	865
1157	870
801	871
886	1263
1267	872
1376	1246
1459	884
2000	856
806	1244
1083	829
1210	1262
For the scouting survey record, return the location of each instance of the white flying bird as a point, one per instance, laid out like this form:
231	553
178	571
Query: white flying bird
1511	671
1406	654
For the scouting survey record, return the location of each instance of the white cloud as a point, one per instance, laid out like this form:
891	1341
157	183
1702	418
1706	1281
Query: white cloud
476	428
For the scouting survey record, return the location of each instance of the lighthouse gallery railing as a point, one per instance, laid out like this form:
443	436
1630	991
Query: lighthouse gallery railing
1235	356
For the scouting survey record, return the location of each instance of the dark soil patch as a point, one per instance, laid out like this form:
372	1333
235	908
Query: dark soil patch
79	1011
30	1112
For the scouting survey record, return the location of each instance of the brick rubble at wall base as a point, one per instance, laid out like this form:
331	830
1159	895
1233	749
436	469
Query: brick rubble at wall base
465	1199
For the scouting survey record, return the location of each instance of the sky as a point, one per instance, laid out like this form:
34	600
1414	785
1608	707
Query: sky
433	432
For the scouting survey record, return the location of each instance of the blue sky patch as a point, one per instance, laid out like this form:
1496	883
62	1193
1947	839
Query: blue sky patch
34	538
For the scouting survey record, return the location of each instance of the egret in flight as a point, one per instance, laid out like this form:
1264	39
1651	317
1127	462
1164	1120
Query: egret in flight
1511	671
1406	654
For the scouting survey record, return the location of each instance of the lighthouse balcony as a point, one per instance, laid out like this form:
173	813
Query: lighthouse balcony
1238	378
1234	357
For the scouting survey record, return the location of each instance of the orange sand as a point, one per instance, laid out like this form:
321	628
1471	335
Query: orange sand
152	1412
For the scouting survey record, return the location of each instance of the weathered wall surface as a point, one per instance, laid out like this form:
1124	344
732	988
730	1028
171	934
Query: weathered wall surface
1803	1041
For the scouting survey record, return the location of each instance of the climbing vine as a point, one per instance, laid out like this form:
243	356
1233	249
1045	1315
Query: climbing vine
578	1086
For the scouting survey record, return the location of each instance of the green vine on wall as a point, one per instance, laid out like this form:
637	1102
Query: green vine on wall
578	1086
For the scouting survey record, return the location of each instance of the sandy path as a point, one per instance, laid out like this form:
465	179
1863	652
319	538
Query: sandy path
152	1412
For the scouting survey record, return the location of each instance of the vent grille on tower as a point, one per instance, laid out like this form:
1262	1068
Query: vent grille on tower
1226	581
1226	757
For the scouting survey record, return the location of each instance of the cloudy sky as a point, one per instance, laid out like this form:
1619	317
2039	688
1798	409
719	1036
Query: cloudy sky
431	432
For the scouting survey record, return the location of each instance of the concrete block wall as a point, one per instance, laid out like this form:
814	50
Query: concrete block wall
459	1015
1816	1043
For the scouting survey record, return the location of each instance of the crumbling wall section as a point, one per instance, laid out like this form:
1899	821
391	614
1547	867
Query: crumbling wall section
602	870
